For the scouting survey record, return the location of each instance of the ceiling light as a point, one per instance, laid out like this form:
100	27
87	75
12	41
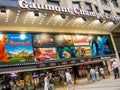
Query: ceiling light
110	23
63	16
84	18
96	21
58	17
114	22
79	20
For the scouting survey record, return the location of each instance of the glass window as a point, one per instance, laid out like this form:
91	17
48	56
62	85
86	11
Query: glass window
104	2
97	10
76	5
118	14
53	3
115	3
107	12
88	7
30	0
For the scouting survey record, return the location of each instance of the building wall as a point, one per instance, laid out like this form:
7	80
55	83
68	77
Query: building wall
68	3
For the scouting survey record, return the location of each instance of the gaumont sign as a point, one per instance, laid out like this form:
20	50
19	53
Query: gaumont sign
75	11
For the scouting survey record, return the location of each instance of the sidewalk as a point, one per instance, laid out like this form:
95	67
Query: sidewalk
82	84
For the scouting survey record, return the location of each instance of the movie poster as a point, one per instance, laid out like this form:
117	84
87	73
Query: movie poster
100	45
63	40
66	52
45	54
80	40
16	48
43	40
83	51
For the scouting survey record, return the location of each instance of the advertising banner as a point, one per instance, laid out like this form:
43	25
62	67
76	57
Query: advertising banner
16	48
100	45
83	51
80	40
45	54
43	40
63	40
66	52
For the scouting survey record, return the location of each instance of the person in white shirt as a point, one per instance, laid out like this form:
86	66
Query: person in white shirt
70	85
115	69
102	72
92	73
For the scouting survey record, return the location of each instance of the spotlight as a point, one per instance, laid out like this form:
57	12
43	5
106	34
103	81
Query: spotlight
63	16
101	21
84	18
3	9
36	13
115	22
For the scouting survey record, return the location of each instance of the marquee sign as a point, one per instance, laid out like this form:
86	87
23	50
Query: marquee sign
76	11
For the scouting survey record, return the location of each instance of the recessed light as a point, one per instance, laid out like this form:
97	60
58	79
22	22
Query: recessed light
19	11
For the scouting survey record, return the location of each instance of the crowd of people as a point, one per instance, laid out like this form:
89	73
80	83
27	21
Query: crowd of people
94	73
66	77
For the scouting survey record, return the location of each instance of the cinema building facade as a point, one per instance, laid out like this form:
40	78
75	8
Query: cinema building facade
38	37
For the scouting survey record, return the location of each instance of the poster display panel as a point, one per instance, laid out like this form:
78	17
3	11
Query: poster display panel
45	54
63	40
43	40
16	48
80	40
66	52
100	45
83	51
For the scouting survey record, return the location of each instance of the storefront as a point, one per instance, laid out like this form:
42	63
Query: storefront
34	43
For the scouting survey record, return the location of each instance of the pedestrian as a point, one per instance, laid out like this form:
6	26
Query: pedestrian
97	73
92	73
102	72
115	69
51	82
70	85
46	82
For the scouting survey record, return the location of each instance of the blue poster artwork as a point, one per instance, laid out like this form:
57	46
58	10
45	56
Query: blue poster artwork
100	45
16	48
66	52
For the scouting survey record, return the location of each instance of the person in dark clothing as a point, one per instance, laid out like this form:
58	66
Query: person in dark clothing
51	82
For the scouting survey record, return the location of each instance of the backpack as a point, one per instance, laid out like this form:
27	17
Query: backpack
65	79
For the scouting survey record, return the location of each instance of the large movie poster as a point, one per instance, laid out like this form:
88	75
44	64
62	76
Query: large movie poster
80	40
45	54
100	45
66	52
16	48
63	40
83	51
43	40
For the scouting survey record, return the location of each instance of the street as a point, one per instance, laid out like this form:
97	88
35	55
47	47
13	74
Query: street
104	84
107	84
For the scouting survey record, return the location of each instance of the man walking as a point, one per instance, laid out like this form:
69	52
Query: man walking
115	69
51	82
70	85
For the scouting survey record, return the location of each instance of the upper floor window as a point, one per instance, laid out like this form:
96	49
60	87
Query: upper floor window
97	10
30	0
53	3
76	5
118	14
88	7
107	12
104	2
115	3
